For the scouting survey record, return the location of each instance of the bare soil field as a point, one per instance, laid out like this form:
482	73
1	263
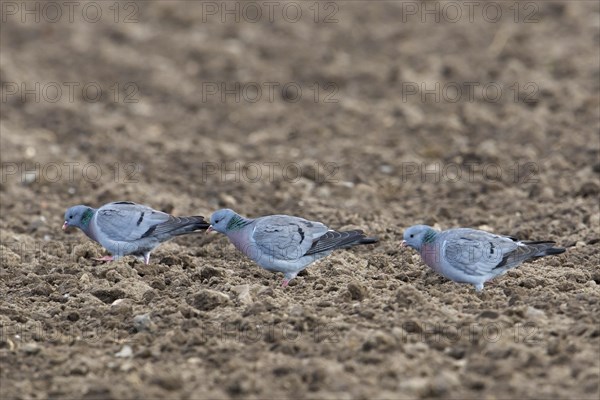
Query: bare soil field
357	114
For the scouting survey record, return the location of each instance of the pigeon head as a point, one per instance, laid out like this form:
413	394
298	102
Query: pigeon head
78	216
221	219
416	235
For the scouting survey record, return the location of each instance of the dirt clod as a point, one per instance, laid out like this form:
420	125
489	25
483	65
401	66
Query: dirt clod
207	300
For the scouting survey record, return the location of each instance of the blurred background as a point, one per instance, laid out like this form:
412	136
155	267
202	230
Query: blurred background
372	114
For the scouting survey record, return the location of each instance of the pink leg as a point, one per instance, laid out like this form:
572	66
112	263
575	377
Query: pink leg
284	283
105	259
147	258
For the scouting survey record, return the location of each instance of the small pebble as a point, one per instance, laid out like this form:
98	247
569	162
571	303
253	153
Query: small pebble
125	352
143	323
31	348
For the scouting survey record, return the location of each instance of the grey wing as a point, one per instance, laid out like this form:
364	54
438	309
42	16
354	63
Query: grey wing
476	252
284	237
126	221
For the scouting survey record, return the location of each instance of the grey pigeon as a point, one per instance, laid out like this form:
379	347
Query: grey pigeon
282	243
125	228
471	256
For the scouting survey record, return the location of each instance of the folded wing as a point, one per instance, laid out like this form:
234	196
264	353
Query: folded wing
477	252
284	237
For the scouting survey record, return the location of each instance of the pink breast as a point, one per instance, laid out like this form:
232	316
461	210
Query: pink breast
430	255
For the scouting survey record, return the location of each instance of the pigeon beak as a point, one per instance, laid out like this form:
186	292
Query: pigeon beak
65	226
210	229
403	243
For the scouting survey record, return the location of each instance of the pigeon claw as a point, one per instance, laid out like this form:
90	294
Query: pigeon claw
284	283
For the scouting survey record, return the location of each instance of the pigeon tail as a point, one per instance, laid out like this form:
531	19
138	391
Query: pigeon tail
529	250
339	240
545	248
176	226
554	250
190	224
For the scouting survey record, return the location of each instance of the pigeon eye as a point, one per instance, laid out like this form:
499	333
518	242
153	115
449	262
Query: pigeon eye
412	236
70	217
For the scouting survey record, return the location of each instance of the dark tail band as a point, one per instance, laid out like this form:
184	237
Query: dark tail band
197	222
554	250
368	240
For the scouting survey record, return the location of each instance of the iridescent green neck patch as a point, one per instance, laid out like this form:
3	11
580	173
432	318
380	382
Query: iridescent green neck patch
236	222
429	236
86	217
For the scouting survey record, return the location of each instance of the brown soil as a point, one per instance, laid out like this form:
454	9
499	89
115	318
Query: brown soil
372	322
